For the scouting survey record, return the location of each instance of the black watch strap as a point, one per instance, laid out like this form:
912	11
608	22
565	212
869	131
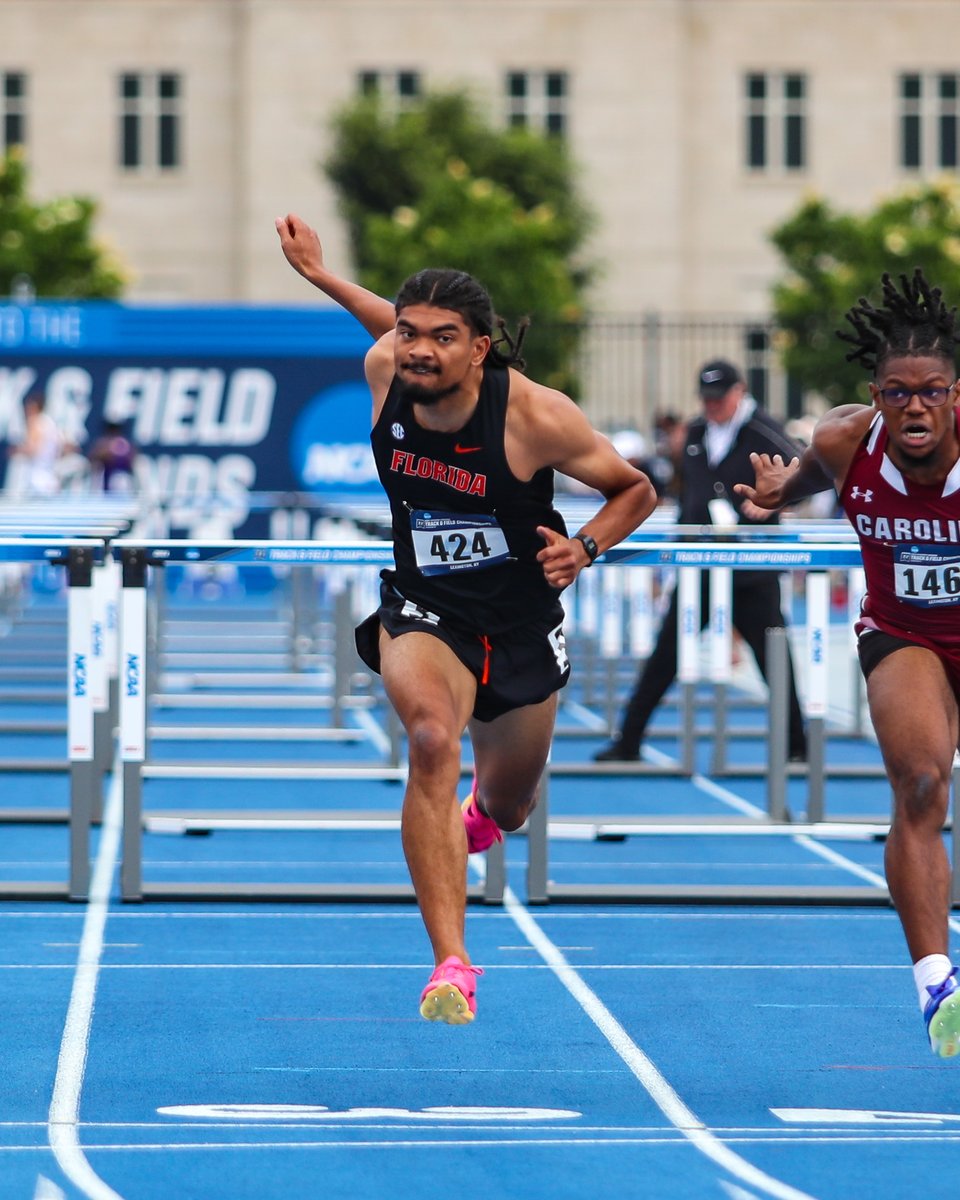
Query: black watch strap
589	545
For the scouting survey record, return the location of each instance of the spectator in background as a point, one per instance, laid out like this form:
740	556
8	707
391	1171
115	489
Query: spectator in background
632	446
112	456
717	452
34	460
669	438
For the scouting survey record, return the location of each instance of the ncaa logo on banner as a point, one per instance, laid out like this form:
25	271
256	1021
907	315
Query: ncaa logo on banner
330	441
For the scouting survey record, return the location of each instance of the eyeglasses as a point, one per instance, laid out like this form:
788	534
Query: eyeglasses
900	397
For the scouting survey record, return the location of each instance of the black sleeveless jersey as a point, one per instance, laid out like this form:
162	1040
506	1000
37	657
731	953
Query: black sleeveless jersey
464	527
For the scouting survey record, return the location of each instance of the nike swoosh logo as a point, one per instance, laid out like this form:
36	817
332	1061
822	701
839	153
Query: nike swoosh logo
466	449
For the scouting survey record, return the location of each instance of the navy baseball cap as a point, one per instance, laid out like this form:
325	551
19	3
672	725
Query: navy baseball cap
717	377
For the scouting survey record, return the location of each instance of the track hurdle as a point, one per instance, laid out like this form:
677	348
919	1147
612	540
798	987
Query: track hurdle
689	559
53	521
719	631
138	560
77	557
617	609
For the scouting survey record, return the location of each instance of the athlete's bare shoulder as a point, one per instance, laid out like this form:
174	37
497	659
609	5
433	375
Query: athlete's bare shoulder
837	435
378	367
544	426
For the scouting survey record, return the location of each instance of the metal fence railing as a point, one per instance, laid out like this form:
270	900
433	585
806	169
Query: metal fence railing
628	369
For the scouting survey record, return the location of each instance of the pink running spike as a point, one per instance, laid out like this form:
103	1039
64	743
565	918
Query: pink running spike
482	831
450	996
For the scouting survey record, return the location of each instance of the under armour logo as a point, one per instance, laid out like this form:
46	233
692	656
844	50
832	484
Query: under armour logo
860	494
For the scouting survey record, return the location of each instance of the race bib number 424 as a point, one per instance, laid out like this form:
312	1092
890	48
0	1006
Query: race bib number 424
447	542
927	575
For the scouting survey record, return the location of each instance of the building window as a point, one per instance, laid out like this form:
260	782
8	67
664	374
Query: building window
776	133
929	112
13	108
538	100
398	89
150	120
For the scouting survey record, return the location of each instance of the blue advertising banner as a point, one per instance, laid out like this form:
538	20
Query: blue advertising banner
221	403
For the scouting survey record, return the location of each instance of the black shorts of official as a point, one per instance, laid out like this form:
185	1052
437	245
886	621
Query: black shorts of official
522	666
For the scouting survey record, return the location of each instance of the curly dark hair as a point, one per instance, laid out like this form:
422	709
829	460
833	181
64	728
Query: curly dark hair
461	293
912	321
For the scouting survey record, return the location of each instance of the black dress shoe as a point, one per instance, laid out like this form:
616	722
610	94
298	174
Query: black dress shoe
616	753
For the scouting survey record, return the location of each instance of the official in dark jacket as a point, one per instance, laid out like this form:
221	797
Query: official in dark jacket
716	456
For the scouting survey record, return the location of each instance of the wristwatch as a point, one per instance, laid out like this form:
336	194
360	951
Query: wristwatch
589	545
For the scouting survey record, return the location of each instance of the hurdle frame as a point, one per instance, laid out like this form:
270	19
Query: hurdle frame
77	556
137	558
816	560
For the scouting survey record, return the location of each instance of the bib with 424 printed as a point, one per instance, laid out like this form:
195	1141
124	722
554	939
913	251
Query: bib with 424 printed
448	542
927	575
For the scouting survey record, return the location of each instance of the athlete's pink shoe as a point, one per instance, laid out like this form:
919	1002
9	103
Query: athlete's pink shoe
482	831
451	994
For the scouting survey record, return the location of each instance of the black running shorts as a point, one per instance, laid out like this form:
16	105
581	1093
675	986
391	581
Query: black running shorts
522	666
873	646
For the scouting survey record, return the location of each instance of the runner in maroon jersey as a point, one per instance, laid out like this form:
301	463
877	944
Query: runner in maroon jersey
469	632
896	465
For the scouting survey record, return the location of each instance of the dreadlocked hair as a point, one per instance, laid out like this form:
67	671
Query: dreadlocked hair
511	357
912	321
461	293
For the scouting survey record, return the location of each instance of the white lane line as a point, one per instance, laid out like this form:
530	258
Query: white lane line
64	1115
587	717
656	1086
736	1193
888	1130
840	860
731	799
373	729
562	914
744	806
47	1190
674	1141
307	966
394	966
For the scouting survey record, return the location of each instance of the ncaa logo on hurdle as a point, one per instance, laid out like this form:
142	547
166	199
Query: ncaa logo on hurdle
79	675
132	675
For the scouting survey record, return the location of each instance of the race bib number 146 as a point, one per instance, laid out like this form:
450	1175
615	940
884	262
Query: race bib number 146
447	542
927	575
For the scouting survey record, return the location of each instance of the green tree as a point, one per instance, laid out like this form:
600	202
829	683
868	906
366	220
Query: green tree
51	243
437	186
833	258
